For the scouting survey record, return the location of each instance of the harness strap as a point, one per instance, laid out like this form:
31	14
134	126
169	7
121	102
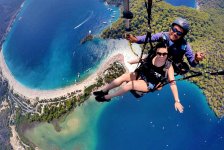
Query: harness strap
149	12
220	72
148	6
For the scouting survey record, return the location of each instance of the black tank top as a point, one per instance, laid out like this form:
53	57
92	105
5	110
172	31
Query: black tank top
152	73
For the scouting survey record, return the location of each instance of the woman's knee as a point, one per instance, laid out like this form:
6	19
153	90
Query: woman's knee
125	75
120	80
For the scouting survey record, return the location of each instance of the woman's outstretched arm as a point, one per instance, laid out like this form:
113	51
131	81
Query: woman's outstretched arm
174	90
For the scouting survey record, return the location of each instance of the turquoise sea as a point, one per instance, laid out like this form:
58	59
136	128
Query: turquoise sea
43	51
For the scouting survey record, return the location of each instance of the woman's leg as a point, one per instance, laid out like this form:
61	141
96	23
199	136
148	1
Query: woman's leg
138	85
118	81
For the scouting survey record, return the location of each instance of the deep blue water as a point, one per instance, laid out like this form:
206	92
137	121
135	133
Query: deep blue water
153	124
43	49
188	3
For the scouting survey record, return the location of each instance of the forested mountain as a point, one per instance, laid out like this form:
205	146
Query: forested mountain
206	35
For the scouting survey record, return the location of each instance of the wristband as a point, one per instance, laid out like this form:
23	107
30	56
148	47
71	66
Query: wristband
177	101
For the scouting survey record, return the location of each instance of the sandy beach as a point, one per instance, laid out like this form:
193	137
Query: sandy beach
14	140
122	54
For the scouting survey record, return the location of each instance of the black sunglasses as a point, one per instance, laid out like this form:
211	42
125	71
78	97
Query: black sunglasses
161	54
176	31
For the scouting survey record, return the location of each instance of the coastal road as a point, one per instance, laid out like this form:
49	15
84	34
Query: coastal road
24	106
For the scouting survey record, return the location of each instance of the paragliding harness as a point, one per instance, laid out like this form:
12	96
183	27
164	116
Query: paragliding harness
140	66
145	71
180	68
151	53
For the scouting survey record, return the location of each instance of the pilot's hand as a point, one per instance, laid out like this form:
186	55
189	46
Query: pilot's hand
131	38
199	56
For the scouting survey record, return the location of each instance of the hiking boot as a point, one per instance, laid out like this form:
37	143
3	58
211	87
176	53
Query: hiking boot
101	99
100	93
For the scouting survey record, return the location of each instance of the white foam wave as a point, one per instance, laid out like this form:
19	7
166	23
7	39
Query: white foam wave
121	46
84	20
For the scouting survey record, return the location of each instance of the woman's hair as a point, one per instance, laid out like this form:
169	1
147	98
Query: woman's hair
160	45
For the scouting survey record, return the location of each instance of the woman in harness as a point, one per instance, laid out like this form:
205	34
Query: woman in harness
147	78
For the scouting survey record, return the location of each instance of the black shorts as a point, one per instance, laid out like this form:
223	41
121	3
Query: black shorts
150	86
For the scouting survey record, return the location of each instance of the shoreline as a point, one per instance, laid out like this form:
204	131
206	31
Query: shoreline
15	140
197	6
11	23
33	94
